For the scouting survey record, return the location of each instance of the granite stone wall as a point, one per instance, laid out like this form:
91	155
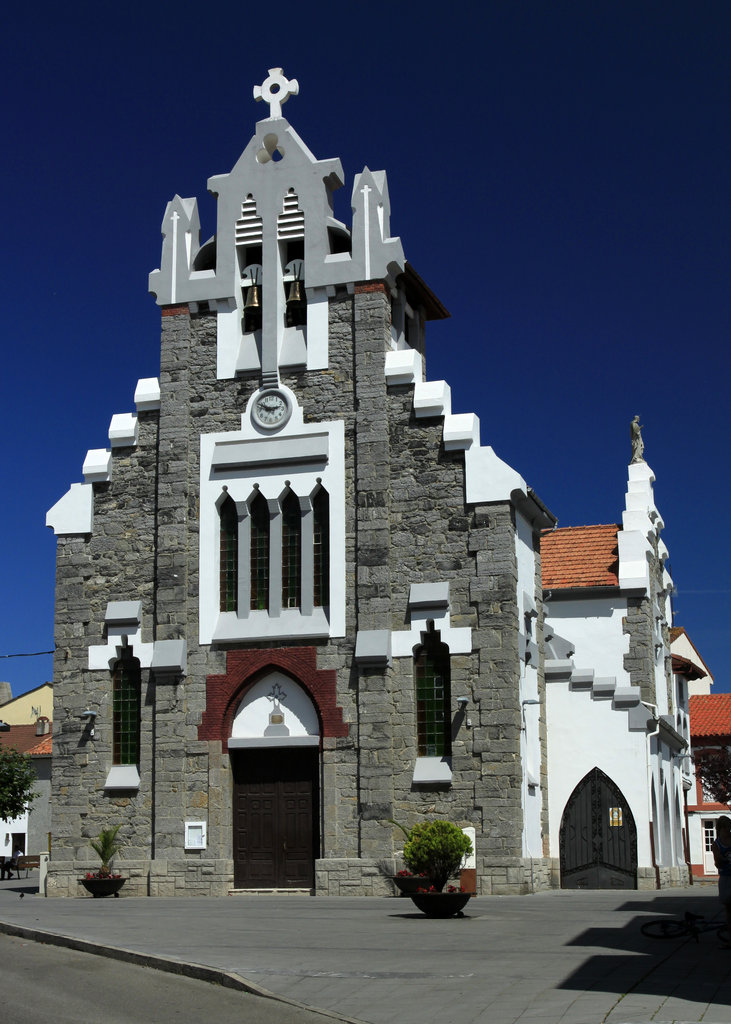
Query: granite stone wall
406	523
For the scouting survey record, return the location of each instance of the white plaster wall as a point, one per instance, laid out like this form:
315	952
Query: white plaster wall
695	834
7	828
683	647
530	748
584	733
666	779
594	627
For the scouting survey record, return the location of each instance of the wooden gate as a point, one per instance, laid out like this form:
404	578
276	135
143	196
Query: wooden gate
598	837
275	817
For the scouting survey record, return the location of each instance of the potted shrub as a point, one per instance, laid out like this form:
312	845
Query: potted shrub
436	849
104	882
406	880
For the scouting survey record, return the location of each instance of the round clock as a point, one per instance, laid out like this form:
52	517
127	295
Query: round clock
271	409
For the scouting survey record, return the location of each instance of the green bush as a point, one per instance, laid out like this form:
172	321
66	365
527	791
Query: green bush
436	848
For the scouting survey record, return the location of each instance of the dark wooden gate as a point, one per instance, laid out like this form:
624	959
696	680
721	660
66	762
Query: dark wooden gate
275	817
598	838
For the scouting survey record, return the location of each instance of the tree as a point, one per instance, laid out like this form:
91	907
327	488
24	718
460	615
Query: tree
714	769
105	847
17	778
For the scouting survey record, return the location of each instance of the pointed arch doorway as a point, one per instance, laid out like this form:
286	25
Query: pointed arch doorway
598	837
274	750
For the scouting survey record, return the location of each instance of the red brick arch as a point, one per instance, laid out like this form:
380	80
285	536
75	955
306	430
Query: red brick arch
244	668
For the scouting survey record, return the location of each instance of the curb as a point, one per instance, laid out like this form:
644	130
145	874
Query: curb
199	972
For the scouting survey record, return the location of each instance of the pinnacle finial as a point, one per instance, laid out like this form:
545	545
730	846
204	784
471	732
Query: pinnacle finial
276	90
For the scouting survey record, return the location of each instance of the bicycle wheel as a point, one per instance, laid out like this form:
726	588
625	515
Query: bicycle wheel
723	935
665	929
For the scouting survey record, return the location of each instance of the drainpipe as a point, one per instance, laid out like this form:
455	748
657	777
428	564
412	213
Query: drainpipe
649	736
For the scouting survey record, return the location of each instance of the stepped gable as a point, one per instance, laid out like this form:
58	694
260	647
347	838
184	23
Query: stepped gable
580	556
710	715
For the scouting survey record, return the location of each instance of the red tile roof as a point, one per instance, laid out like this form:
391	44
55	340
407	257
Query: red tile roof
580	556
43	748
22	738
710	715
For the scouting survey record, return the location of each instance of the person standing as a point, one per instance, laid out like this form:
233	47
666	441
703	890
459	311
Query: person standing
722	860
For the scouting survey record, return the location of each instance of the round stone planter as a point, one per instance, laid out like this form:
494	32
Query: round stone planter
441	904
100	887
408	884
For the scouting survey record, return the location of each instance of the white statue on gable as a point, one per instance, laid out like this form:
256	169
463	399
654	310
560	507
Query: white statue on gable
276	90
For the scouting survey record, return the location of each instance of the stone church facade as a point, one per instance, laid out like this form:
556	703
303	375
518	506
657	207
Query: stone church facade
296	598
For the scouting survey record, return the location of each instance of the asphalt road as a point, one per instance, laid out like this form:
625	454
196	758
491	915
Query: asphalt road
40	983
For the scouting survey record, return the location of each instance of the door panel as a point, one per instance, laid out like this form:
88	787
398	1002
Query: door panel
275	817
598	838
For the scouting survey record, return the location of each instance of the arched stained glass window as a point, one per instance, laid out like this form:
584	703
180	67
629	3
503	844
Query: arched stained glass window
321	541
229	555
433	697
291	552
126	683
259	554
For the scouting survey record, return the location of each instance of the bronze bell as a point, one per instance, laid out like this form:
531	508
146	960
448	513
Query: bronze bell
294	295
252	303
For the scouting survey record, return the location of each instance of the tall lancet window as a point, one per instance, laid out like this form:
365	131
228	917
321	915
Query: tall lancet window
126	682
321	542
259	554
291	552
229	555
433	697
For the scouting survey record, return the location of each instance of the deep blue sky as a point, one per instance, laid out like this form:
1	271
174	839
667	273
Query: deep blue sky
558	174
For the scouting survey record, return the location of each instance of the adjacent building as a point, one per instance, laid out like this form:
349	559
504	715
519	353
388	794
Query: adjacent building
710	724
617	733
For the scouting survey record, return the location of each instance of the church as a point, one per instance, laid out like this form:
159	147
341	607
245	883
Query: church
296	599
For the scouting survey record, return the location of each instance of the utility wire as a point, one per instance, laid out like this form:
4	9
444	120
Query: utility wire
34	654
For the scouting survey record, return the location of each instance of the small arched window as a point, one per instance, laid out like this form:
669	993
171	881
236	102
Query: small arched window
126	683
433	697
321	541
291	552
259	554
229	555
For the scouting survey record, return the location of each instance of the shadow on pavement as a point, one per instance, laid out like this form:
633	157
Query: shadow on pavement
680	968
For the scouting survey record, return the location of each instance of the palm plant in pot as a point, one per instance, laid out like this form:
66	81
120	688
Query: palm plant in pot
104	882
436	849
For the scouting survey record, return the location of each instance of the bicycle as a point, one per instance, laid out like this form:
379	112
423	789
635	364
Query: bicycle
677	928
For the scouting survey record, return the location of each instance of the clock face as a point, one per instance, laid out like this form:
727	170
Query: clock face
271	409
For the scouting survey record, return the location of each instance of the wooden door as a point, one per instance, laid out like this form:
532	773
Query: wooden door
598	838
275	817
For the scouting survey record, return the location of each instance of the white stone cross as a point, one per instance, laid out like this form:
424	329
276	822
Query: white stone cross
276	90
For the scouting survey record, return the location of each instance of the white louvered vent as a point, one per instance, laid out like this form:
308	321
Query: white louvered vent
248	226
291	221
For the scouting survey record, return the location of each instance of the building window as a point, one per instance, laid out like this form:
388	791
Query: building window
321	542
229	555
126	709
433	697
291	552
259	512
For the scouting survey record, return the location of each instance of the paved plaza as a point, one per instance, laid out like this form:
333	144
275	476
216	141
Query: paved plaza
569	956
